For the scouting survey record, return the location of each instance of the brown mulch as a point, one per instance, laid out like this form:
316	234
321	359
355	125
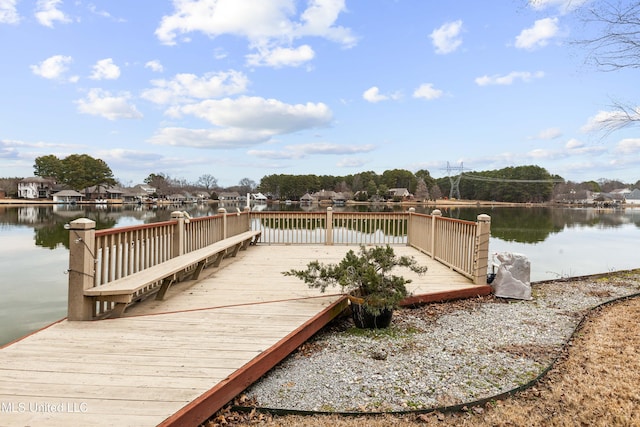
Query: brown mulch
596	382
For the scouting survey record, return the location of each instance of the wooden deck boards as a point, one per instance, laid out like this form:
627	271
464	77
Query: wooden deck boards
177	359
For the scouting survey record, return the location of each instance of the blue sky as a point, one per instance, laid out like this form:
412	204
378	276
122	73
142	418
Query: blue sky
247	88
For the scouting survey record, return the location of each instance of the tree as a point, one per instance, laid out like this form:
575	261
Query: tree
80	171
77	171
247	185
48	167
160	182
616	46
209	182
422	191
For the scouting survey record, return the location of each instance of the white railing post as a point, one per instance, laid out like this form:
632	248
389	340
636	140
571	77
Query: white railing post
223	212
481	261
178	234
82	239
247	210
329	230
410	227
435	215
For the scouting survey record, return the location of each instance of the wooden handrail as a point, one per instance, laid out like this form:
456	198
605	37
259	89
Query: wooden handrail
118	252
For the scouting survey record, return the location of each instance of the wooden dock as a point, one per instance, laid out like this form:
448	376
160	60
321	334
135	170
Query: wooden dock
177	361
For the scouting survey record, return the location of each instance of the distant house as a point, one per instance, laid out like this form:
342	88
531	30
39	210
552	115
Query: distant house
177	198
324	196
633	198
259	197
232	196
104	193
307	199
67	196
339	199
135	194
146	188
36	188
399	193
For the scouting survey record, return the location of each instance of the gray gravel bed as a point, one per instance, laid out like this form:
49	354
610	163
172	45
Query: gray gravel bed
446	354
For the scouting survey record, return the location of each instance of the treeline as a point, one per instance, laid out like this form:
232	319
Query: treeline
363	185
521	184
514	184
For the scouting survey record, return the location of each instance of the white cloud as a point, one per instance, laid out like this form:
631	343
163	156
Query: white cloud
105	69
628	146
373	95
154	65
573	144
9	12
508	79
53	67
269	26
281	56
304	150
243	121
427	91
610	120
563	6
446	38
209	138
187	87
47	13
539	35
550	133
101	103
258	113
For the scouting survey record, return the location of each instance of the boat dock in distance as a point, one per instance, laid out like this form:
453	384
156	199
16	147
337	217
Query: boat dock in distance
140	360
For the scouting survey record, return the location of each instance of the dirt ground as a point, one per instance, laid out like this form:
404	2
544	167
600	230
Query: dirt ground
595	383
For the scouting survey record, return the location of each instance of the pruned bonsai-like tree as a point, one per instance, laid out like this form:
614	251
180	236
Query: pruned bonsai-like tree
365	276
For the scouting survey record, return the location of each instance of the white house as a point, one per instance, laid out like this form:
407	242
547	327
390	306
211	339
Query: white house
35	188
259	197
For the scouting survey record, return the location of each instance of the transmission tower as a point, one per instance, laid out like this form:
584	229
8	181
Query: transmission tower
454	192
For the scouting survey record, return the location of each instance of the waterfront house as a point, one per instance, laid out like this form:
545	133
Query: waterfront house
177	198
324	196
259	198
230	196
67	196
400	194
36	187
633	198
104	194
307	199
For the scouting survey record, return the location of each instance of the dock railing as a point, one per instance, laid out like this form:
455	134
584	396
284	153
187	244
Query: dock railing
461	245
99	257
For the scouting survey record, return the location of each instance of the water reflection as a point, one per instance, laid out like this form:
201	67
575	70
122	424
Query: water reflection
34	246
514	224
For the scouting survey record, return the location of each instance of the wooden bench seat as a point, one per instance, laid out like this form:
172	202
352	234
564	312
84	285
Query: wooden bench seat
130	288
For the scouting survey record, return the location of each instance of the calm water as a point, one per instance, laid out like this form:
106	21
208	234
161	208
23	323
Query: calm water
34	248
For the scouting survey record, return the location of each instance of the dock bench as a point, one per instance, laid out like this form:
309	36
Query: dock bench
135	286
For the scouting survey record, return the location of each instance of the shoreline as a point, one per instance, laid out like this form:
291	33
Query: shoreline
434	204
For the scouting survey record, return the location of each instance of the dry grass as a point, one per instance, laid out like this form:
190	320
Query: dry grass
596	383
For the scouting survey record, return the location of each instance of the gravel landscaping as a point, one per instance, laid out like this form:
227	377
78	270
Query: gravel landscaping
438	354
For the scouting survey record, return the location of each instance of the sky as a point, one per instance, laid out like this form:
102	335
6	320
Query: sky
248	88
